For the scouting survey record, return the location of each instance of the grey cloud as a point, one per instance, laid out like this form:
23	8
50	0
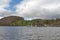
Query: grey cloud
46	9
6	13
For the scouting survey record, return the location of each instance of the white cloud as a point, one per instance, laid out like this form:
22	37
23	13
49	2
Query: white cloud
3	4
1	17
39	8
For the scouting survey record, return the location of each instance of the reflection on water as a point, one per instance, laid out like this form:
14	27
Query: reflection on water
29	33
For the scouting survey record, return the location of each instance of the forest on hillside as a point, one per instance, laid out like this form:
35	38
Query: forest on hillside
37	22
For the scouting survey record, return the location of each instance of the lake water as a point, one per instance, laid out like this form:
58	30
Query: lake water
29	33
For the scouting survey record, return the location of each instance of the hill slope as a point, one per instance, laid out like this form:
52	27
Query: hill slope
6	21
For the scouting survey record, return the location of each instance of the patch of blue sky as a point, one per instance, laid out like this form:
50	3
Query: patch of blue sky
12	5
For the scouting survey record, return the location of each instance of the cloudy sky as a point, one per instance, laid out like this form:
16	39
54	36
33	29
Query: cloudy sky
30	9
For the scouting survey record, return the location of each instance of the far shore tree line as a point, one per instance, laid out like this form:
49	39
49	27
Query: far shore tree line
38	22
19	21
